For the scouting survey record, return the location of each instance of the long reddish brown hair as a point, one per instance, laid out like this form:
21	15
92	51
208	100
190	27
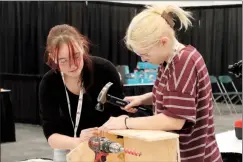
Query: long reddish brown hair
69	35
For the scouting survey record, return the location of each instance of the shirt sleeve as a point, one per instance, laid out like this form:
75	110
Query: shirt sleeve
179	96
49	109
181	106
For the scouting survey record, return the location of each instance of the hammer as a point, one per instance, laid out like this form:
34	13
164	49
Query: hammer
104	97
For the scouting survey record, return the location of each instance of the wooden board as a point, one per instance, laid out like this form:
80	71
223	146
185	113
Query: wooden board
157	146
145	135
81	153
155	151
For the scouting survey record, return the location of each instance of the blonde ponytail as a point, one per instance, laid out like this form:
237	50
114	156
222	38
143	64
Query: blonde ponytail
147	28
184	16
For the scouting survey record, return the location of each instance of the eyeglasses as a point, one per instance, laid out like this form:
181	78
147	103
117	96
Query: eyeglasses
65	61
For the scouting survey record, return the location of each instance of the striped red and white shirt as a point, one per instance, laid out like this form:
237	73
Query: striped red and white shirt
183	90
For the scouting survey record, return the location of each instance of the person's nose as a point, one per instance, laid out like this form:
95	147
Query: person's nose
72	65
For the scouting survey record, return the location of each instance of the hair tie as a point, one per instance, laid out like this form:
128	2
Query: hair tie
168	18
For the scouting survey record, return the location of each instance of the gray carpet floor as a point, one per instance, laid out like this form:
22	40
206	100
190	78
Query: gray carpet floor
30	142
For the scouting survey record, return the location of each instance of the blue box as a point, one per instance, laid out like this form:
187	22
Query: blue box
146	65
131	79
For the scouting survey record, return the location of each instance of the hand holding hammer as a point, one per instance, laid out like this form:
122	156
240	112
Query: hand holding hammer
130	104
133	102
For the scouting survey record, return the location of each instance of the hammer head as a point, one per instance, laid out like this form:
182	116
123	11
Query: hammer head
103	93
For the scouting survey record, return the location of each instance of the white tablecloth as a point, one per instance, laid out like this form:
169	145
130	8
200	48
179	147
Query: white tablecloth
228	143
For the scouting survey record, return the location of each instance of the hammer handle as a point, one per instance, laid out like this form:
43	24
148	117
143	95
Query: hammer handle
121	103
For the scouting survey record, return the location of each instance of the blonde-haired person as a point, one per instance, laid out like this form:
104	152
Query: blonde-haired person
181	96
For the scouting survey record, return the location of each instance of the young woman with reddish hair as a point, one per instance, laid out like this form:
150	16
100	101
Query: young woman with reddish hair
182	93
68	92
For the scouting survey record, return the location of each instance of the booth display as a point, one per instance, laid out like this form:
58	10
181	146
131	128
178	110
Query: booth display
145	73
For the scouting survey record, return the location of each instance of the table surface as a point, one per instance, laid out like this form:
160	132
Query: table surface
228	143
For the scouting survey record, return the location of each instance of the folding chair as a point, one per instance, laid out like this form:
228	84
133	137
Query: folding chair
226	80
218	94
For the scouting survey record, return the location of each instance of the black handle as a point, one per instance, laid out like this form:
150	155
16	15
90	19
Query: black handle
121	103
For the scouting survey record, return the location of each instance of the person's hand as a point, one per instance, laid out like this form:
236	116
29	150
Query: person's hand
133	101
114	123
86	134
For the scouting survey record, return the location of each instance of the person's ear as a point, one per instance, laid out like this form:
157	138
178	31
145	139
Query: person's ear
164	41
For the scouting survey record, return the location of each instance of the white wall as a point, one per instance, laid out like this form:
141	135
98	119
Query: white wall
184	3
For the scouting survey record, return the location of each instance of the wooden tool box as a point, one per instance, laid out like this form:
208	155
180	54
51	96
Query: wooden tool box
156	146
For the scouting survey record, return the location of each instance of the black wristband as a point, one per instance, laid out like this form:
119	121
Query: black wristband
126	122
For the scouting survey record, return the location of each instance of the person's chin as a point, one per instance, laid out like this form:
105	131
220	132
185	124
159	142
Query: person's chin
75	73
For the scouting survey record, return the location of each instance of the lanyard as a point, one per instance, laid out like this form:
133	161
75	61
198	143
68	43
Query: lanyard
79	108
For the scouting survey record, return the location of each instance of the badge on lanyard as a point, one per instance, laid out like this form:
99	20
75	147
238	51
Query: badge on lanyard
79	108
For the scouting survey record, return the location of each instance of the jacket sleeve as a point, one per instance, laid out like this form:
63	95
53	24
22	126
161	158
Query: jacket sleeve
49	109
